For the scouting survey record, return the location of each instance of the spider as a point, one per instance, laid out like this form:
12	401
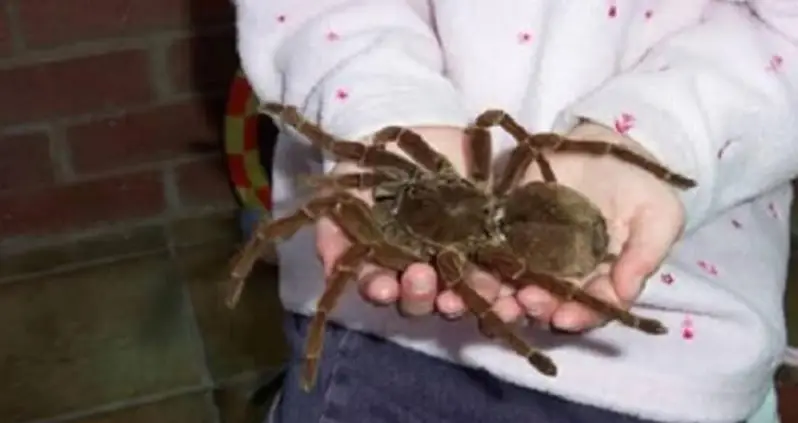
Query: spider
424	211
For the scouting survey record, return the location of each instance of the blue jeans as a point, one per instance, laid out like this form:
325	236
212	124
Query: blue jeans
365	379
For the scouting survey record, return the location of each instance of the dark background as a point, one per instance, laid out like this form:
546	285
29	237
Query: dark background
117	220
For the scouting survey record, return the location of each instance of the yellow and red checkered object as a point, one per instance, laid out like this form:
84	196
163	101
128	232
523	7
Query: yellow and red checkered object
242	147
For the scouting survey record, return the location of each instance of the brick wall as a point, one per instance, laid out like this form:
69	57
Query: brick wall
117	223
110	112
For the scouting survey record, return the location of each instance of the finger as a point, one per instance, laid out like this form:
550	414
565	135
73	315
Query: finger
378	285
651	234
508	309
450	305
485	284
419	287
537	303
572	316
330	243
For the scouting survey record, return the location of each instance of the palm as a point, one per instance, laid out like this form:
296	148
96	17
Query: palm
644	217
630	200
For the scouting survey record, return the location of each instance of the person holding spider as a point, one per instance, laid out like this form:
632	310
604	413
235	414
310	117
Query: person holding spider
706	88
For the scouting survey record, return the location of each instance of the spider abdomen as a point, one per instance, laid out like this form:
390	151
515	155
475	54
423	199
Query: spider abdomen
556	229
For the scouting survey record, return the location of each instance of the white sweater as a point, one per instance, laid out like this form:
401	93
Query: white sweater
709	87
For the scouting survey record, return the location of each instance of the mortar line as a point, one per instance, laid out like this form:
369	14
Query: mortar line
191	313
87	48
172	194
60	154
24	243
171	188
113	113
160	75
15	27
123	404
67	268
161	166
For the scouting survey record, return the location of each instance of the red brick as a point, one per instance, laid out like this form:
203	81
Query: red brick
74	86
24	161
81	205
157	134
53	22
203	63
205	183
5	34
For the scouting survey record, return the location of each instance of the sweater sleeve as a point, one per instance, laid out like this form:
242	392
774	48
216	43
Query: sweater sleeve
717	101
353	66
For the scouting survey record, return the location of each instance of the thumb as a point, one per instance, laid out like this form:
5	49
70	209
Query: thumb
652	232
330	243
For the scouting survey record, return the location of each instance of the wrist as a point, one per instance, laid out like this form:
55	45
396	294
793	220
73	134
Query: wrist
446	140
442	138
590	130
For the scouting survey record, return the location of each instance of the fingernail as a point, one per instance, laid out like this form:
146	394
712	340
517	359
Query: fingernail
534	308
421	286
568	323
565	322
560	331
382	294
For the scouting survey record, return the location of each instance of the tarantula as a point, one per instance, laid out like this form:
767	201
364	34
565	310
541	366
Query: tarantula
425	211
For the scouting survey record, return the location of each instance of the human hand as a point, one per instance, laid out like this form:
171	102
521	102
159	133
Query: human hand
644	217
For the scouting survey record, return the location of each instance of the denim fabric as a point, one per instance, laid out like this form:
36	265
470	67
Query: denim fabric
365	379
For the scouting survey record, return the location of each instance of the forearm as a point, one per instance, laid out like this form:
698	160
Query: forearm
351	66
712	103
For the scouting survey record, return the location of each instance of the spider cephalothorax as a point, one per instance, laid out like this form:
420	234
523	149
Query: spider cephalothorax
424	211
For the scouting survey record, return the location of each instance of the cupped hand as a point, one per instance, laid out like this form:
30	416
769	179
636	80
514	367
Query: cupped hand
644	217
416	289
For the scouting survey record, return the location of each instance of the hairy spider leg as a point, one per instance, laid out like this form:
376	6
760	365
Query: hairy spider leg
284	227
479	156
520	157
357	221
555	143
348	151
344	270
358	180
412	144
267	230
515	272
452	266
